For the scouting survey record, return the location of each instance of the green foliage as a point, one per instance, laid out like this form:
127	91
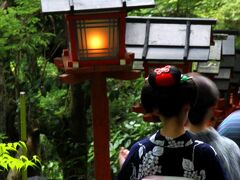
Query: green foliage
8	162
53	108
172	8
19	27
51	164
3	137
23	45
228	15
208	8
52	170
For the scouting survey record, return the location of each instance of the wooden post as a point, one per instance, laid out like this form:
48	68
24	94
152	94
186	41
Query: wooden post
23	127
100	116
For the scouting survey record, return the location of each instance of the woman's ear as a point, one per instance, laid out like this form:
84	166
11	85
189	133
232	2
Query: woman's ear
184	112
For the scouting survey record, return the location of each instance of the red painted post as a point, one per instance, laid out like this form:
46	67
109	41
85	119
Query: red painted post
100	116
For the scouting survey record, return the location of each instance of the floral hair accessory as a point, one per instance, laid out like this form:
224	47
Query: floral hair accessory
164	77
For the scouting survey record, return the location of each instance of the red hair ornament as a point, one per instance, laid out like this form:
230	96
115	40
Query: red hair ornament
163	77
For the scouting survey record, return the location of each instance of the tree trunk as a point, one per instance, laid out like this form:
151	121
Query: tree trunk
7	110
79	106
75	152
2	101
10	104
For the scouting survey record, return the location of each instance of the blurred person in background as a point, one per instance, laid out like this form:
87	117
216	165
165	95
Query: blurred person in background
199	125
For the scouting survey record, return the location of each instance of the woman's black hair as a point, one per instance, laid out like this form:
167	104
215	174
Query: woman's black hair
207	96
167	90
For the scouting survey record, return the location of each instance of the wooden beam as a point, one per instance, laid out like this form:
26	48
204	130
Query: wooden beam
73	78
99	68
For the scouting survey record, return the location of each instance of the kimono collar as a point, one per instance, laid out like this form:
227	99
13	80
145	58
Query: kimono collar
181	141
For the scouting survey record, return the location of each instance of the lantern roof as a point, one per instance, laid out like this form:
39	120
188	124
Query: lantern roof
228	49
213	64
229	45
230	32
222	85
222	80
209	67
224	73
215	50
223	51
57	6
230	61
236	69
236	78
227	61
169	39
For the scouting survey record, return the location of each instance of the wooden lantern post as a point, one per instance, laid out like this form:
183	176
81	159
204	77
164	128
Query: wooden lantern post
100	110
96	53
100	118
96	33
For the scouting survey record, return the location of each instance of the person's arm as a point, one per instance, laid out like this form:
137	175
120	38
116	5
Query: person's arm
122	156
128	168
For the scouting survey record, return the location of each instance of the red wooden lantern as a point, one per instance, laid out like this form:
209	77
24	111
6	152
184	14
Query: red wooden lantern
96	39
96	33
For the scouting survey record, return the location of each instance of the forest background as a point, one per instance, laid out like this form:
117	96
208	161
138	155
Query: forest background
29	41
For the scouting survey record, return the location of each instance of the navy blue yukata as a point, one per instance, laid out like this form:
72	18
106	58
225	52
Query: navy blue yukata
164	156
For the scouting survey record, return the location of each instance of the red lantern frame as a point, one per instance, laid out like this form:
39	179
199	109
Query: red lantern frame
72	31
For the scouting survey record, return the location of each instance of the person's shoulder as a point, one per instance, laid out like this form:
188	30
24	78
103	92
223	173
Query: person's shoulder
234	114
141	142
231	120
145	142
204	148
224	141
229	143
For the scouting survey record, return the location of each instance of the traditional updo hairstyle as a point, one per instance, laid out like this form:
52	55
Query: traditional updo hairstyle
167	90
207	96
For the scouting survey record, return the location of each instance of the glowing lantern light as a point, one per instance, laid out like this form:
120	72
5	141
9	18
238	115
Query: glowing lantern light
96	42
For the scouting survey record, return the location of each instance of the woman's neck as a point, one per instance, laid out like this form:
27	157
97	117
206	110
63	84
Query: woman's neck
172	128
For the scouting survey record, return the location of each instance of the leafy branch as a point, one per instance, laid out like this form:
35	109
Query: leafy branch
8	162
